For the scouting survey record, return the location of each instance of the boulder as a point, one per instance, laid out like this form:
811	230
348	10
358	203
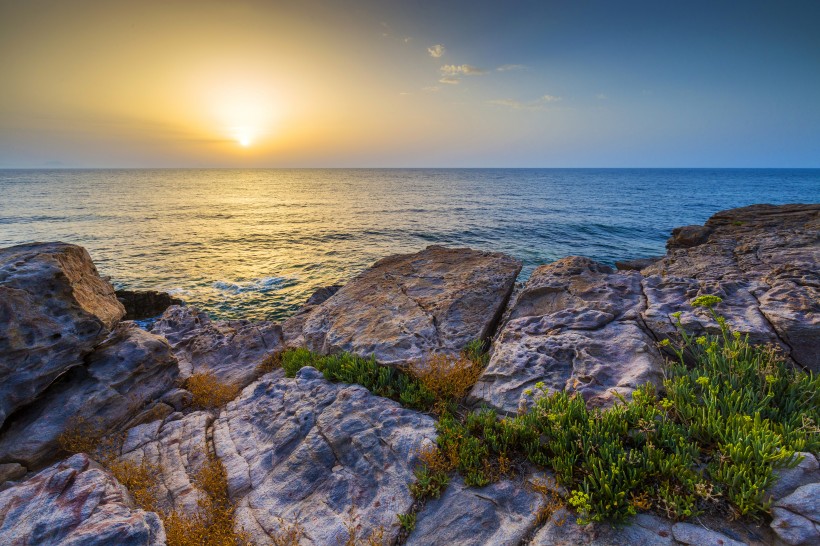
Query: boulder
231	350
502	513
145	304
575	326
688	236
794	529
788	479
293	325
328	456
128	371
408	306
764	261
54	308
637	264
643	530
75	503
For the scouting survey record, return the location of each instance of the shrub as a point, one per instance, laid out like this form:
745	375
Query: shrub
271	362
81	436
209	392
715	438
385	381
448	378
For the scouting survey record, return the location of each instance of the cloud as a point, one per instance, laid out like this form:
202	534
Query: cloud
537	104
436	50
461	69
431	88
508	67
448	80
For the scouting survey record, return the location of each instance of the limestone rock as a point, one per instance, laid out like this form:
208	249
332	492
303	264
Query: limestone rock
144	304
408	306
788	479
696	535
502	513
54	308
643	530
575	326
322	454
177	446
794	529
11	471
130	369
637	264
764	261
231	350
688	236
805	501
292	327
75	502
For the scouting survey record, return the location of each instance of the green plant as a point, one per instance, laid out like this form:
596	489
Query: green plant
407	521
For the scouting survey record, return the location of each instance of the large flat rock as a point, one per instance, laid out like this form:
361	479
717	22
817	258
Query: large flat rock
54	308
325	455
763	260
409	306
130	369
230	350
75	503
575	326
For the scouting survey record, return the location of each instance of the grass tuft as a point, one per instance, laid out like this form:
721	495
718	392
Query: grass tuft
209	392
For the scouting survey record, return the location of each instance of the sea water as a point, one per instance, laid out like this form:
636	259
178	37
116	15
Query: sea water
256	243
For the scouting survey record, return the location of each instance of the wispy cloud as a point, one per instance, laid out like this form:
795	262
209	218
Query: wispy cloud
508	67
431	88
436	50
537	104
449	80
461	69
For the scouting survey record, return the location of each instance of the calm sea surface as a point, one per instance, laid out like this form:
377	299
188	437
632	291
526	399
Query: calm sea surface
256	243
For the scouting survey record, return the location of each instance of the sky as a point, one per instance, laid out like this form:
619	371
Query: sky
219	83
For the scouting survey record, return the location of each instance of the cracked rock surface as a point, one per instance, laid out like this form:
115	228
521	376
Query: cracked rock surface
76	503
54	308
322	454
231	349
575	326
408	306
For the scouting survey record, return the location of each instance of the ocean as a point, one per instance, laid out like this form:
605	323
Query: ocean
256	243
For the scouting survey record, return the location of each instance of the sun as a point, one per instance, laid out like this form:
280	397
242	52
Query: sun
244	141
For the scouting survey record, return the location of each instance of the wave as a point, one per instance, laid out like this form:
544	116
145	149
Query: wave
264	284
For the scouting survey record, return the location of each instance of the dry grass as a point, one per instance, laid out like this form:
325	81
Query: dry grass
139	479
81	436
376	537
272	361
209	392
449	378
553	501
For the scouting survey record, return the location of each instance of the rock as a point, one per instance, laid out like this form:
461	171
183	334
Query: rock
144	304
11	471
322	454
794	529
500	513
179	399
292	327
408	306
177	446
130	369
688	236
696	535
805	501
75	502
636	264
54	308
643	530
231	350
764	261
575	326
789	479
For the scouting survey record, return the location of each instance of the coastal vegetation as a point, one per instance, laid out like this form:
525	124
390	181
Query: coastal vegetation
209	392
728	415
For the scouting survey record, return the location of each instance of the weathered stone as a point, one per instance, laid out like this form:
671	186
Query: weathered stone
500	513
575	326
804	501
130	369
11	471
408	306
292	327
231	350
696	535
177	446
179	399
794	529
54	308
688	236
643	530
764	261
76	503
788	479
325	455
144	304
637	264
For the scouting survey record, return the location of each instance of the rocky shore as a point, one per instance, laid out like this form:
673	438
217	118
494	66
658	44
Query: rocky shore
337	460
